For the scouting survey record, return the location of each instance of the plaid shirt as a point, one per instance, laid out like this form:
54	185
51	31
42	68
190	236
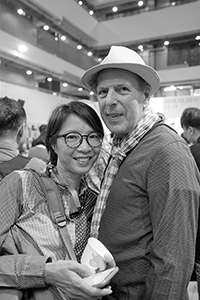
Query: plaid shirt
23	207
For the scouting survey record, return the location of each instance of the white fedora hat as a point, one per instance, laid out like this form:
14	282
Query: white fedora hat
124	58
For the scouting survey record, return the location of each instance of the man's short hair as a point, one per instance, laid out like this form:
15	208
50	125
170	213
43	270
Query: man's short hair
191	117
12	116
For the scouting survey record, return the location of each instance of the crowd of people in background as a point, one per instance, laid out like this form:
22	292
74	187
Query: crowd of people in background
140	196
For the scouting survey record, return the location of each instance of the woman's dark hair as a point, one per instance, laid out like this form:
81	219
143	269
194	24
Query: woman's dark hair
59	116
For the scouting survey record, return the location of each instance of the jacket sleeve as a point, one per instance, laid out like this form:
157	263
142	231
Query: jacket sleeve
24	270
174	194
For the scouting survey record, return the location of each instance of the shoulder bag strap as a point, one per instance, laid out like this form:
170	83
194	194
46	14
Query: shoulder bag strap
56	207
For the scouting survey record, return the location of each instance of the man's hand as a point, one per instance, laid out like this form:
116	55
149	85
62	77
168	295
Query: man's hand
66	276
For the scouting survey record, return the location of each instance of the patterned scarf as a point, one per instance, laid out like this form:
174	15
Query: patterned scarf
118	154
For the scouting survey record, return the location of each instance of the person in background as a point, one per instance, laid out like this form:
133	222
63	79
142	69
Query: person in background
38	148
147	209
42	128
190	122
12	134
73	137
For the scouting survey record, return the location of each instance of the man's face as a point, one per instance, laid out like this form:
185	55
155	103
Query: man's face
120	100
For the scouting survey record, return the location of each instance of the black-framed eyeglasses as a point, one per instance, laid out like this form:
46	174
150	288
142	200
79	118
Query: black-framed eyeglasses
75	139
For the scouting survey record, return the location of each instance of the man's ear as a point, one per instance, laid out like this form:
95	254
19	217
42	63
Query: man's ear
147	92
20	132
191	130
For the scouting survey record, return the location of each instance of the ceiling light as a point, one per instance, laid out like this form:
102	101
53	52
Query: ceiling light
115	9
99	59
80	2
49	79
197	37
79	47
171	88
56	38
22	48
89	53
65	84
46	27
173	3
29	72
140	47
140	3
91	93
63	37
91	12
166	43
20	11
54	93
80	89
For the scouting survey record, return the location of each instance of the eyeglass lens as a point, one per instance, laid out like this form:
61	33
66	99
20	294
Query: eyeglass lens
75	139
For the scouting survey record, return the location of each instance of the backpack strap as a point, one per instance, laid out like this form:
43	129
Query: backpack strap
15	163
55	203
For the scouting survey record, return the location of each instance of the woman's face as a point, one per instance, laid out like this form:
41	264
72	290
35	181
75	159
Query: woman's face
79	160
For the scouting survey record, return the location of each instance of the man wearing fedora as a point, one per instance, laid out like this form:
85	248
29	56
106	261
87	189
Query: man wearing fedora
147	210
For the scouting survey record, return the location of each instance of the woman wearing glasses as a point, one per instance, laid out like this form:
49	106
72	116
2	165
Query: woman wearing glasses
73	138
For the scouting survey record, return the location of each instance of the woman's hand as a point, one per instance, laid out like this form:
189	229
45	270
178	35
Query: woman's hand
67	276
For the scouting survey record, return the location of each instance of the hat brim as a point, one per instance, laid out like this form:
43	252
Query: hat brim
145	72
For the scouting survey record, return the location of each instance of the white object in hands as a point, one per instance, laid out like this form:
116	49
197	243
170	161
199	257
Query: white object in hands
93	247
101	279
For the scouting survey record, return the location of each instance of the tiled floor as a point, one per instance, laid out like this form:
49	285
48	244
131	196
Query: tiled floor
192	290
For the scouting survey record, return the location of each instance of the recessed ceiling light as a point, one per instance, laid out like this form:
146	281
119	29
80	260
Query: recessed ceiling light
91	12
99	59
197	37
20	11
91	93
79	47
173	3
89	53
115	9
63	37
166	43
140	47
22	48
80	89
140	3
46	27
49	79
29	72
80	2
65	84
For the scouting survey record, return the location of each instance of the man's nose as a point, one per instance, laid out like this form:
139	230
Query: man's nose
111	97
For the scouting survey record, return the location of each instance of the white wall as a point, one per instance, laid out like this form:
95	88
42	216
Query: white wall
39	105
172	108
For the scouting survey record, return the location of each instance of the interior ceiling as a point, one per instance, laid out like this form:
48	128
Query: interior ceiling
39	14
98	4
